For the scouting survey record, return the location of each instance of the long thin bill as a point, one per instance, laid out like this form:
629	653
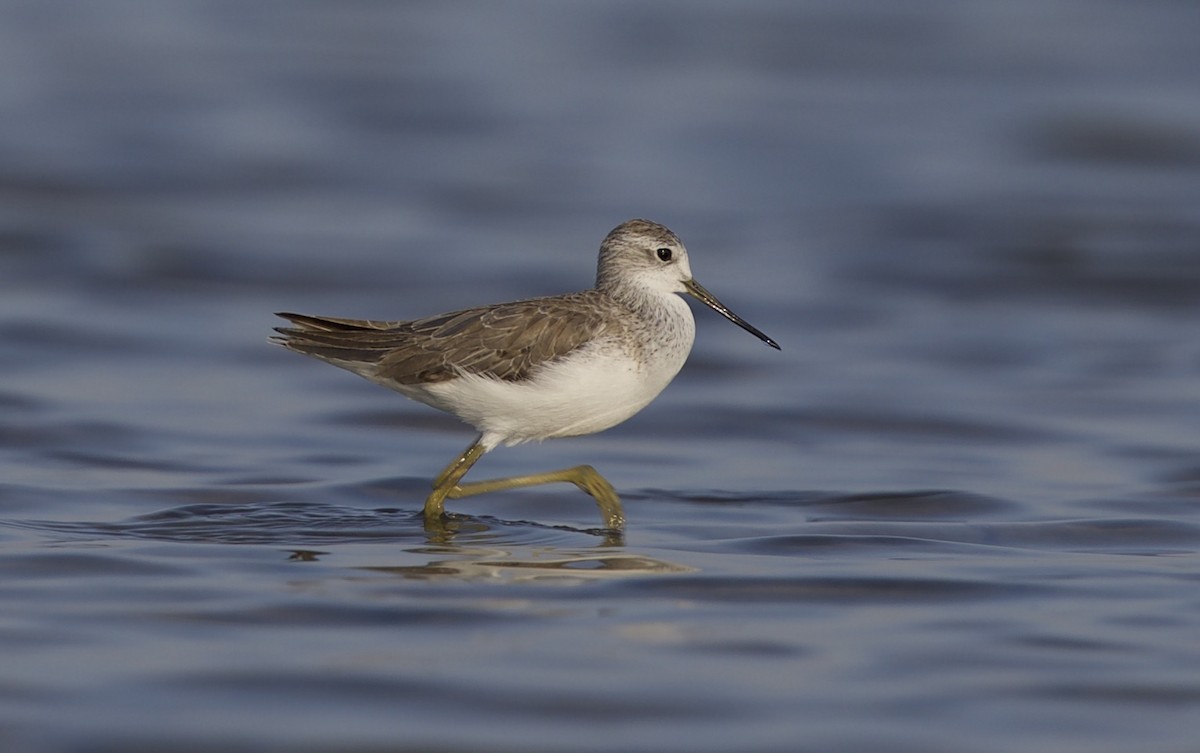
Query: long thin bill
697	291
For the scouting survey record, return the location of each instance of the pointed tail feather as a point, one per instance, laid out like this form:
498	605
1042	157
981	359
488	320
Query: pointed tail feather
354	344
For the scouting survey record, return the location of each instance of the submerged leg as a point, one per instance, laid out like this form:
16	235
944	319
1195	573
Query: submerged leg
584	476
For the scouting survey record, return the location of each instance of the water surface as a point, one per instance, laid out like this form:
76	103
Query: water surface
957	512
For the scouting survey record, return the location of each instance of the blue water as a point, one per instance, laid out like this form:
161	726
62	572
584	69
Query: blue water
959	511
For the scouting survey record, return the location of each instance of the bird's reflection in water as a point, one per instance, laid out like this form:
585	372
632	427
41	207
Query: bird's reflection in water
549	564
464	547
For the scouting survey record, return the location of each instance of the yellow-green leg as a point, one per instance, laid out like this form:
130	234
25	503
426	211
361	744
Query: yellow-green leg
447	480
584	476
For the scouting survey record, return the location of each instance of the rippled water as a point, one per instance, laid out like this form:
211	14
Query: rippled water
958	511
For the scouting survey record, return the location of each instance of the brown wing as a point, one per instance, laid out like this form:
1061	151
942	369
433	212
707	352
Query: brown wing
506	341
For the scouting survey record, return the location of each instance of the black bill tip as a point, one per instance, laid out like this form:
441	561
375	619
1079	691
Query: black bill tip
697	291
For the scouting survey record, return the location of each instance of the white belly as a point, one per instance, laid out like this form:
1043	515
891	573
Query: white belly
598	386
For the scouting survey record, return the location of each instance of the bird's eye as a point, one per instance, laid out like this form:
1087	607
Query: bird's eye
664	254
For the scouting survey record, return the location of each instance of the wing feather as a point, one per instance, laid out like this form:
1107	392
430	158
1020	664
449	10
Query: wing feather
507	341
